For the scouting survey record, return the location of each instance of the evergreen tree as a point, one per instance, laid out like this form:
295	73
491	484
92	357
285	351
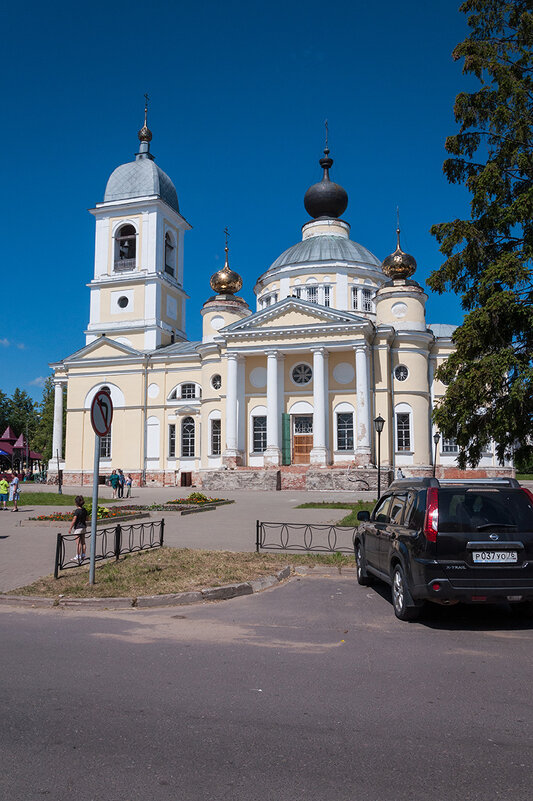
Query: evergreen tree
489	256
23	414
4	412
43	438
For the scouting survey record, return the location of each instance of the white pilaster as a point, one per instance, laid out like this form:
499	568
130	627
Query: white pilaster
272	453
363	401
231	453
57	434
319	453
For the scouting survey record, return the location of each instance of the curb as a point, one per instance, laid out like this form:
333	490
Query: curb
223	593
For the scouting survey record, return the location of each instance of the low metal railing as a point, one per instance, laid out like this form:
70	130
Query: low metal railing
309	537
110	543
124	265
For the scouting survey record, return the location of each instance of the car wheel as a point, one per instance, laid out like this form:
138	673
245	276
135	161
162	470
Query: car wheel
402	601
362	576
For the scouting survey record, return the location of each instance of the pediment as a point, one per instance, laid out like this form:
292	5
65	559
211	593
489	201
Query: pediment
294	313
102	348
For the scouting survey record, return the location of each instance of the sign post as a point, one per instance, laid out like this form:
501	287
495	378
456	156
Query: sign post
101	418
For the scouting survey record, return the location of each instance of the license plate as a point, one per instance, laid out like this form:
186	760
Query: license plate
494	557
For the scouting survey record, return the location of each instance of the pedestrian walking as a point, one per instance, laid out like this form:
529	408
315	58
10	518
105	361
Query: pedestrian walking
79	524
4	489
14	492
114	482
121	482
129	482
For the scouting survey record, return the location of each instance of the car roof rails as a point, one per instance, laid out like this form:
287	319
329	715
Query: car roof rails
405	483
509	482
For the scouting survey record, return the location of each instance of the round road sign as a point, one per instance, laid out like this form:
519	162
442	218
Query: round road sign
101	413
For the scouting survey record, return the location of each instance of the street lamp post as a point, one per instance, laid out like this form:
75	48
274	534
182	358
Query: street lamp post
379	422
436	438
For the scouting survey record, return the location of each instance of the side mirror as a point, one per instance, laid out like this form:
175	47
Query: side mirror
364	515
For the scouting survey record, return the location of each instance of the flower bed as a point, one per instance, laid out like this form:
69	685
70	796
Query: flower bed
195	498
103	513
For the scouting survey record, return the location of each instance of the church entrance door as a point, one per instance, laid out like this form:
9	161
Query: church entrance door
302	438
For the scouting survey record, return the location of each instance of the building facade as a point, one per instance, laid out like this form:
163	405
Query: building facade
283	395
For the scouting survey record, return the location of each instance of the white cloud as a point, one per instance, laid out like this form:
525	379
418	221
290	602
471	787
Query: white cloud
21	346
4	342
38	382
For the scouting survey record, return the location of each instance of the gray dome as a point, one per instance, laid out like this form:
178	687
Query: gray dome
138	178
325	248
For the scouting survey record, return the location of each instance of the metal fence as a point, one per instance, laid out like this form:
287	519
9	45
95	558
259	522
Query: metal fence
110	543
309	537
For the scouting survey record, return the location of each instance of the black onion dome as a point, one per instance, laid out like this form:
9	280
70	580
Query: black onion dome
326	198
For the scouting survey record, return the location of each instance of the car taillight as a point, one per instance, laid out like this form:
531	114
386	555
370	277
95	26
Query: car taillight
529	494
431	523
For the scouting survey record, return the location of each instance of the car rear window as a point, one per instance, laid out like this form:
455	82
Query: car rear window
476	509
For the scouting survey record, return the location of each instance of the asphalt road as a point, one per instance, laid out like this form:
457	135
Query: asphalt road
312	690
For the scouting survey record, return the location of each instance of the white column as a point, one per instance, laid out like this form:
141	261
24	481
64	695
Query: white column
319	453
57	435
363	403
231	453
272	454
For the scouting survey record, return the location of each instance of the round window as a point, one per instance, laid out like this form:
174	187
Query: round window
216	381
123	302
302	374
401	372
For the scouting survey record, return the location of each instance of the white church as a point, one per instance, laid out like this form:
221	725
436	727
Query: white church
283	395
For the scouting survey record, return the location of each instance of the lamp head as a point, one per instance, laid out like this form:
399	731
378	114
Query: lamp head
379	422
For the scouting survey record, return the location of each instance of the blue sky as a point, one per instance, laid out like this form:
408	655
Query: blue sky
239	93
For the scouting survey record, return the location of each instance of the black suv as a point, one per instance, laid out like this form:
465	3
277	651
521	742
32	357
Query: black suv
449	541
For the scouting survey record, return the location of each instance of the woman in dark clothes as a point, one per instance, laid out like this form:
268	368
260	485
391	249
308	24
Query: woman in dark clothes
79	524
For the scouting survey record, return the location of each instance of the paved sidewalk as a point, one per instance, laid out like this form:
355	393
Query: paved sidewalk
27	551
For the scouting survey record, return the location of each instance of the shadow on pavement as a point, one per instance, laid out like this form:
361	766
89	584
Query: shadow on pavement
466	617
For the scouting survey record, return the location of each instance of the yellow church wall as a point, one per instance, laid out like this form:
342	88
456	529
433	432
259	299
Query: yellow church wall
417	365
292	318
420	407
381	368
134	309
252	362
173	322
340	357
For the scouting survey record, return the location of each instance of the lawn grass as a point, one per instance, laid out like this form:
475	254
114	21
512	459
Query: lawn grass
524	476
54	499
349	519
168	570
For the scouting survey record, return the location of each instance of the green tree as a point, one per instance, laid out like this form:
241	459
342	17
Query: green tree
42	441
489	256
4	412
23	413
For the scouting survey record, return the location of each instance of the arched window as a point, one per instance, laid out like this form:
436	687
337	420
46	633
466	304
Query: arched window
404	433
125	248
188	391
169	255
187	437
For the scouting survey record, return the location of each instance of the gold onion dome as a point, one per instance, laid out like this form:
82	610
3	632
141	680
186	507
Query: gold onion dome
226	281
145	134
399	264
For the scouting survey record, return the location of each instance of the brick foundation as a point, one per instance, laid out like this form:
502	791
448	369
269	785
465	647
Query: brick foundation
292	477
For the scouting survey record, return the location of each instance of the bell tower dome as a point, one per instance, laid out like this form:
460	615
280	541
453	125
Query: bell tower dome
137	294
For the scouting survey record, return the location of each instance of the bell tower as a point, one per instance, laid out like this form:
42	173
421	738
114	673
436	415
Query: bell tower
137	294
